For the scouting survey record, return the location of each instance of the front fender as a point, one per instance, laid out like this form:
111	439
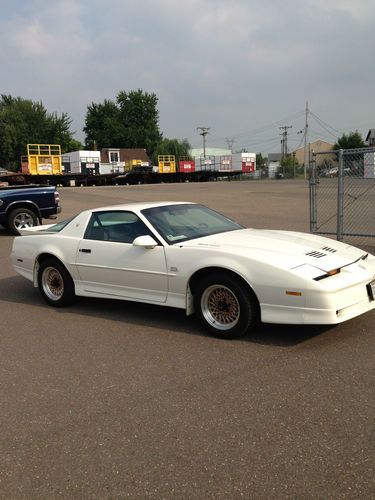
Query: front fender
266	279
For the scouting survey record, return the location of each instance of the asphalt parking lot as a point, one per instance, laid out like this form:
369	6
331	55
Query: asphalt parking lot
109	399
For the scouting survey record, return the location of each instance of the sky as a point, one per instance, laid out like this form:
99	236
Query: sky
242	68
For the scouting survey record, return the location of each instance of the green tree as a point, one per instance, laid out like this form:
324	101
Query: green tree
354	162
260	161
72	145
352	140
23	122
178	148
103	126
289	167
130	122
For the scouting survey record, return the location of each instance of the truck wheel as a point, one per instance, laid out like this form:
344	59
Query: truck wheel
55	283
21	218
225	307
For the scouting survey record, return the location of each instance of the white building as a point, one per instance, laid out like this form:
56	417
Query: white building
273	164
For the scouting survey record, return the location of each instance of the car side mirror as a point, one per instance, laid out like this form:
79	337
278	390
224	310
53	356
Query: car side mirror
145	241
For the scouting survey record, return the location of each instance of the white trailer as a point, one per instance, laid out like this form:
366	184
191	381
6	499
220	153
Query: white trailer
81	162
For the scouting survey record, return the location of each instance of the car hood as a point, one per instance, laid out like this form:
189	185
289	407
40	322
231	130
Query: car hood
286	249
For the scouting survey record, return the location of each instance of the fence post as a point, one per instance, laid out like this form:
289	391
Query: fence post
313	194
340	197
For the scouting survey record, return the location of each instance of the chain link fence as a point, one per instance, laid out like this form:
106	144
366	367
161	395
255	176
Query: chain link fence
342	195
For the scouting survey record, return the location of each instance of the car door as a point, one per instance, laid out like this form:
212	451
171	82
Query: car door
110	265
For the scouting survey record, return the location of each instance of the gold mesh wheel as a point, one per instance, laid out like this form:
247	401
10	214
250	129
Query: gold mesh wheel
220	307
53	283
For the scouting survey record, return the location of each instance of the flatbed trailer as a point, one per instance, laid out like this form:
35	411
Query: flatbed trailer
60	180
133	177
157	178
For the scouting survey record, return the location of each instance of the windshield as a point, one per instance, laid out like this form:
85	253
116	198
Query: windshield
177	223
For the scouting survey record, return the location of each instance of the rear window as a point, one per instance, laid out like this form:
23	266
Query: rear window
56	228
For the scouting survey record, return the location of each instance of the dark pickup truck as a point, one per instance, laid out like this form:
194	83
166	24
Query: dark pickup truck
26	206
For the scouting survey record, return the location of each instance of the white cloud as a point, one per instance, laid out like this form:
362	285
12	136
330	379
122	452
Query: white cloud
230	65
52	30
359	10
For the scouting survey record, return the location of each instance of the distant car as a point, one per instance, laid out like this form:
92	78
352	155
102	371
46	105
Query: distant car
333	172
188	256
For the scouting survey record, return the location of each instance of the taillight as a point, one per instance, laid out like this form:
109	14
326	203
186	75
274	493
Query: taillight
57	197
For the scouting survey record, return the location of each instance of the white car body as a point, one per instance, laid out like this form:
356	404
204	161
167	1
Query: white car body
296	278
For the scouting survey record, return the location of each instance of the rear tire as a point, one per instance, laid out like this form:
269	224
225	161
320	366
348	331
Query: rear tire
55	283
21	218
226	308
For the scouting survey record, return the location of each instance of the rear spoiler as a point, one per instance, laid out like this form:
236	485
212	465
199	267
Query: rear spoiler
27	231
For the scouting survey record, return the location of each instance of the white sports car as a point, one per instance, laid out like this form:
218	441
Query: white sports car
188	256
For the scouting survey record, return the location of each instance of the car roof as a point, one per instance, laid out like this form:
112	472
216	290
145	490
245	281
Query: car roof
138	206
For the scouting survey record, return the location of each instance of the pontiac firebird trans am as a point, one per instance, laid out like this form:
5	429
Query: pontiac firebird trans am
188	256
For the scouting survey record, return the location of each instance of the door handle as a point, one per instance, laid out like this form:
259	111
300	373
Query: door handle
85	250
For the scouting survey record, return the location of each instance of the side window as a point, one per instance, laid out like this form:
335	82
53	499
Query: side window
116	226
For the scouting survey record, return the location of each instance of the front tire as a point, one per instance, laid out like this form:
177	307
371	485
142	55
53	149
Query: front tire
21	218
55	283
226	308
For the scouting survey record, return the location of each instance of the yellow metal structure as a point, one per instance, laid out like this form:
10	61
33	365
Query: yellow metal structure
130	164
44	159
167	164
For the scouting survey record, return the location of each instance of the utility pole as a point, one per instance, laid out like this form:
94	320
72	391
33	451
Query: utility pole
230	143
306	154
284	141
203	134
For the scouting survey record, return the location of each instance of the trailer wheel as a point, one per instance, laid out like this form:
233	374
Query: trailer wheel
21	218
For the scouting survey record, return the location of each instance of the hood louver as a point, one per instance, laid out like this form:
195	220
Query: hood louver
328	249
318	254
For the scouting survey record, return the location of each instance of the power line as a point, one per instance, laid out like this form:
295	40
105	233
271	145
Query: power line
263	128
326	132
323	122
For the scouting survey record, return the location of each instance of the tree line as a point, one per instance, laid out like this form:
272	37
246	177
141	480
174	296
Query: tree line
130	121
